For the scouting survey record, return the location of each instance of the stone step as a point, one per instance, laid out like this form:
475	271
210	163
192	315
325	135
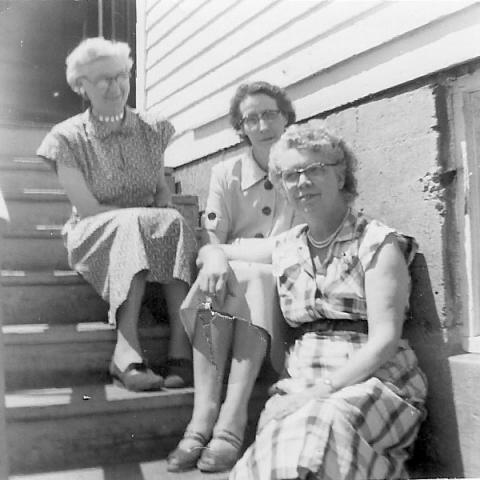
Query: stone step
54	297
43	355
21	139
91	425
150	470
37	248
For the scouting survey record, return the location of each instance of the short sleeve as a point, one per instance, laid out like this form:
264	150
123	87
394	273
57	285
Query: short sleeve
160	130
374	238
217	218
165	131
54	149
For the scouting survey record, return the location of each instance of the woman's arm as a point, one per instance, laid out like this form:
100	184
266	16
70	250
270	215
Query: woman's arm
246	249
386	289
77	190
163	195
215	277
217	221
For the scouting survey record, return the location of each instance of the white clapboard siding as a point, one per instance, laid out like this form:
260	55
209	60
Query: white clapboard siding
325	53
158	11
178	36
332	46
221	40
228	55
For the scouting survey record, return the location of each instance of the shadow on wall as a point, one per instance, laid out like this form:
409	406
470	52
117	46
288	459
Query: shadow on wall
437	450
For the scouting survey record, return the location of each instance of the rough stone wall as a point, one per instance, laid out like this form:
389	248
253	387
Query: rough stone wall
398	139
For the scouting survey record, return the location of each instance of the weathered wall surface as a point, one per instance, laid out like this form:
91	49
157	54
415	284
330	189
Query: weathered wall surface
191	55
397	141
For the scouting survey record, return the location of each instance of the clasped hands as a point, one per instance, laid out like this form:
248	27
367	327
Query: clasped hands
289	395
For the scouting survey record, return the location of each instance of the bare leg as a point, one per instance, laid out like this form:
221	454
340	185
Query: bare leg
127	349
208	375
249	348
179	345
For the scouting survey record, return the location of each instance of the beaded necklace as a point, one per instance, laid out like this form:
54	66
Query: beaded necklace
325	243
110	118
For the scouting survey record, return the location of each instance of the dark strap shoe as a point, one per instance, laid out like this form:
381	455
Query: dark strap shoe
178	373
137	377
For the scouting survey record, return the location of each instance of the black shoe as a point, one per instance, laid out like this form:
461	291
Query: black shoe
178	373
137	377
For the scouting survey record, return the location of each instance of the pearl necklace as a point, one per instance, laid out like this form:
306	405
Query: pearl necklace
325	243
110	118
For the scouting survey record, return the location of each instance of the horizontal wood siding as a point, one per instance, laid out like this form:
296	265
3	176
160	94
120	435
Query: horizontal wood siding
194	53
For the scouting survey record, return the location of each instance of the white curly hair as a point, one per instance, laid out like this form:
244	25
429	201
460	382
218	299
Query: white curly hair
89	50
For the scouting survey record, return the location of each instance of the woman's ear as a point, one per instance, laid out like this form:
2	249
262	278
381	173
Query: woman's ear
80	89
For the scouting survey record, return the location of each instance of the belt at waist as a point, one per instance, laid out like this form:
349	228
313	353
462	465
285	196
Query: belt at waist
328	325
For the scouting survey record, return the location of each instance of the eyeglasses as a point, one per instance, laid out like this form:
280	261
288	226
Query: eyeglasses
104	82
313	171
253	119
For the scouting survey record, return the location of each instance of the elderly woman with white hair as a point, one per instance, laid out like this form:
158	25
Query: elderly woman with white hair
353	396
123	231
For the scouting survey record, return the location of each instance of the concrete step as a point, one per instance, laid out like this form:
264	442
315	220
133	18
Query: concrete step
21	139
21	163
34	194
30	206
27	212
92	425
54	297
39	356
27	179
150	470
31	171
37	248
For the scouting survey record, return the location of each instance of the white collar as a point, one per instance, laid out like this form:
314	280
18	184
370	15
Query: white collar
251	171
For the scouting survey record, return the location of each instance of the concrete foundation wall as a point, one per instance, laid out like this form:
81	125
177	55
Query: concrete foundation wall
400	140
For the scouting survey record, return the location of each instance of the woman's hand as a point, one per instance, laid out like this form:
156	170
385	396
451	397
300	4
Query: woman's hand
213	278
163	198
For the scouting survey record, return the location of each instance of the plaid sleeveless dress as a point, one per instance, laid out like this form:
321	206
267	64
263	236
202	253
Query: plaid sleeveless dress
363	431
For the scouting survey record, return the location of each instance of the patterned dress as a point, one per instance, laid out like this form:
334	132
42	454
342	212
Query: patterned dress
121	168
242	203
363	431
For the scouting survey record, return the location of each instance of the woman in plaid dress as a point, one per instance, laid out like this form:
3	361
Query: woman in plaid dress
353	396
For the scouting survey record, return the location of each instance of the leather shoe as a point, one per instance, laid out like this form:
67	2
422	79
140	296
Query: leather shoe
178	373
221	459
181	460
137	377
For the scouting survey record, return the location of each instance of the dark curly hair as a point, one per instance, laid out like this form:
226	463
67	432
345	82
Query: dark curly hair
257	88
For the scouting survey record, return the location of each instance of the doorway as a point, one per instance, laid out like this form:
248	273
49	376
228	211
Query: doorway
35	38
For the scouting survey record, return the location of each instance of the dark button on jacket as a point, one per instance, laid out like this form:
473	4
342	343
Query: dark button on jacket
268	184
266	210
